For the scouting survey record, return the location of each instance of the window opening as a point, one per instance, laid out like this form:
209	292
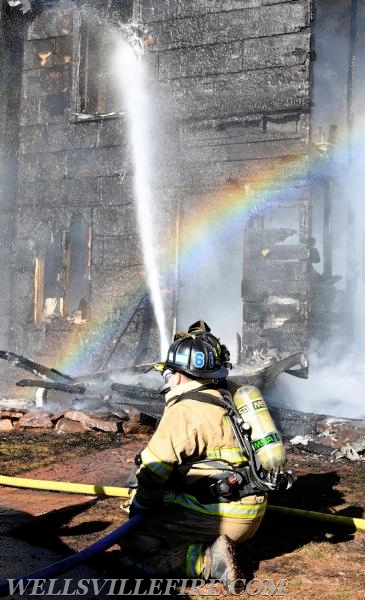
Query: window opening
97	95
62	274
53	279
78	261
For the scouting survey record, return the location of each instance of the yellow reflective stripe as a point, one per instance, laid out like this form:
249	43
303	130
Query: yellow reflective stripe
235	510
194	557
156	465
232	455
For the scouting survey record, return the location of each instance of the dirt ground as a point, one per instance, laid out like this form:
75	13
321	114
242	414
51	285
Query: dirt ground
315	558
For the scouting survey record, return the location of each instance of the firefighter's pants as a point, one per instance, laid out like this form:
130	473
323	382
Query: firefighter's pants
163	543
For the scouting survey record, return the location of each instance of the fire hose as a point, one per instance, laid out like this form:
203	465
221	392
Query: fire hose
61	486
352	522
101	490
72	561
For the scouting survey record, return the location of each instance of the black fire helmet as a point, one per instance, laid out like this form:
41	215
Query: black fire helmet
195	356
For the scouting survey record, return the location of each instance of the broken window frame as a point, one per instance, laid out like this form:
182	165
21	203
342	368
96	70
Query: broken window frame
74	275
67	276
92	88
41	280
38	289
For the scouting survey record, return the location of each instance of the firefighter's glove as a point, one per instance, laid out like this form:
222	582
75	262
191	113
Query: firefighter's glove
126	504
286	481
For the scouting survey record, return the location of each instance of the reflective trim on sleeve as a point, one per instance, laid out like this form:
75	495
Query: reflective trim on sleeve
194	557
235	510
232	455
160	468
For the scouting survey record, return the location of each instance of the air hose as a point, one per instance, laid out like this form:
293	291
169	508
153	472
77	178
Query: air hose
101	490
76	559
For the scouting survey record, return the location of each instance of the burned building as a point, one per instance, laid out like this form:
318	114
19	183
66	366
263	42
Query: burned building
230	148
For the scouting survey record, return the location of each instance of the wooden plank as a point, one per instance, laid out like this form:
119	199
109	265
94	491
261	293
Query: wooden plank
245	129
150	10
267	90
38	289
228	26
244	151
231	57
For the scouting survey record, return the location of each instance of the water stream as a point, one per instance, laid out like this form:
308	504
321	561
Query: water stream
136	99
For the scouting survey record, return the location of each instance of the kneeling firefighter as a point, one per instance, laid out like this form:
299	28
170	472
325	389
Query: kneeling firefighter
199	480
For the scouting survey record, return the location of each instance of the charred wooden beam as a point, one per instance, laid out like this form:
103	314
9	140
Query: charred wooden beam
316	448
148	401
265	376
123	322
33	367
53	385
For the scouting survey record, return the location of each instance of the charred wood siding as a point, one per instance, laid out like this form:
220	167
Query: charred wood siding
11	31
234	84
237	83
10	74
67	169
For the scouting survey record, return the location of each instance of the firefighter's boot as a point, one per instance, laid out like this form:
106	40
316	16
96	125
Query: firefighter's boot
220	562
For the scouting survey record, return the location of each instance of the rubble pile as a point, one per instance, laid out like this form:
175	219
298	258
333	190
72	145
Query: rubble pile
67	404
328	436
334	437
97	403
72	420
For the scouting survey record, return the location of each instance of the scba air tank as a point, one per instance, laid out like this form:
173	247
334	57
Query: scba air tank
266	440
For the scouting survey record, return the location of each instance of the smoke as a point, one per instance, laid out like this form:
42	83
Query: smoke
210	288
330	390
150	380
210	281
331	22
335	365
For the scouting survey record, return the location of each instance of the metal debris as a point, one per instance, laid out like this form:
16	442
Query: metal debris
299	439
351	451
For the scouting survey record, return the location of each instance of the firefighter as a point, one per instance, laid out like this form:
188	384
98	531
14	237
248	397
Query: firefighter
192	523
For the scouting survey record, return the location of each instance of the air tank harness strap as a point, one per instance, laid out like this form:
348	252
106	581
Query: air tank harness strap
241	432
224	402
202	396
231	483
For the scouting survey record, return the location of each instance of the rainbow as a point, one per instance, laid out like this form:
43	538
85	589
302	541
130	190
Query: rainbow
215	215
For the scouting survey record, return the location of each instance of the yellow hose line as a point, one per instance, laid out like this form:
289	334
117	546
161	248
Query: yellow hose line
105	490
61	486
359	524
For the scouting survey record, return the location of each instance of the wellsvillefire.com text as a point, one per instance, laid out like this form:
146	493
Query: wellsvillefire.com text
144	587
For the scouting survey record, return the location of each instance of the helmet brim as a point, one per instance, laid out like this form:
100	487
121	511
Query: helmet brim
220	373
